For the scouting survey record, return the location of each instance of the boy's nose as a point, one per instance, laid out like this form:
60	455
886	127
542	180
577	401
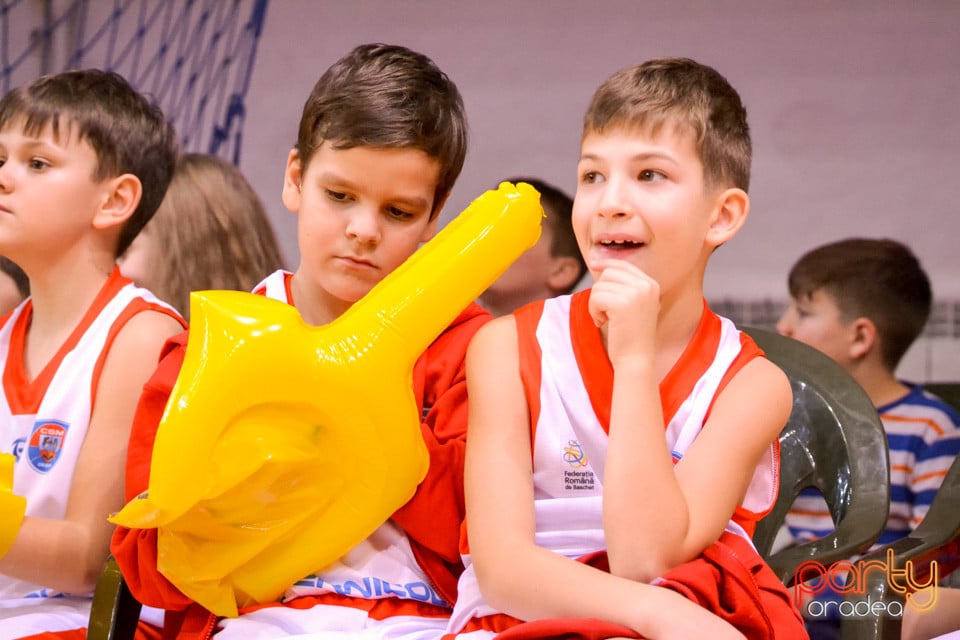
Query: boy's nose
364	226
5	178
784	325
614	201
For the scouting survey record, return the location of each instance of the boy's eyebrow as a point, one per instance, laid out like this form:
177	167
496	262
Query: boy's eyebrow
645	155
415	202
31	144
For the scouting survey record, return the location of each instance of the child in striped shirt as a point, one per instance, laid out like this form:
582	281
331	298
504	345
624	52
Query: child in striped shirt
863	302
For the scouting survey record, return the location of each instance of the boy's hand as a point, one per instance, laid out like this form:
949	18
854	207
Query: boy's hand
627	301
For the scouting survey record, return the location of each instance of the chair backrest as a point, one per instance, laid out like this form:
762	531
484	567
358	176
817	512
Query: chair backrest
833	441
936	540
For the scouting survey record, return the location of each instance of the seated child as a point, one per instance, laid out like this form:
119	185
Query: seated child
210	232
623	440
863	302
381	141
84	163
552	267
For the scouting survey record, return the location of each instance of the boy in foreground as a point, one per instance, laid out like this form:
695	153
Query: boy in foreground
381	141
634	431
84	162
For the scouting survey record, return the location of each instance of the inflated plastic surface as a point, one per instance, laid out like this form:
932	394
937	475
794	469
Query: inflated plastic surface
12	507
284	445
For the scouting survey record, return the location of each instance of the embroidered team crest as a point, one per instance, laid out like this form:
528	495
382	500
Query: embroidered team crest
46	443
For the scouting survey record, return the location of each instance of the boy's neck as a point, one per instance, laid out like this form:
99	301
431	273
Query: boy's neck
678	321
880	383
59	303
315	308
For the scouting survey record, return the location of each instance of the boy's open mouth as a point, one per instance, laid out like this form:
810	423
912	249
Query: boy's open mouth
618	245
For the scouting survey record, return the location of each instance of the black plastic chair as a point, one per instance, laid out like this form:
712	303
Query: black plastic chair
935	540
833	441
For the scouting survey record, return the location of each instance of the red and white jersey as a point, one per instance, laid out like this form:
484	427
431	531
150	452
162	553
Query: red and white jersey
44	421
568	383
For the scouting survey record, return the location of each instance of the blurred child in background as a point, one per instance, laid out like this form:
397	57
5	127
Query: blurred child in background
210	232
552	267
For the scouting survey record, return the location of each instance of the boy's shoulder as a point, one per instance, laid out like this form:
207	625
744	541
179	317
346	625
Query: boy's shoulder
922	413
457	335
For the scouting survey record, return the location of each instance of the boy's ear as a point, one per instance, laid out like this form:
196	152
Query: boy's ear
730	212
564	273
292	180
863	337
120	199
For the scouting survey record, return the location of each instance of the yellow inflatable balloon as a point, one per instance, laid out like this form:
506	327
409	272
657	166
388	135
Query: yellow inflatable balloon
284	445
12	506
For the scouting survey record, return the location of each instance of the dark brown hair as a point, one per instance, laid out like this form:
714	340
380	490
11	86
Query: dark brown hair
388	97
877	279
16	274
128	133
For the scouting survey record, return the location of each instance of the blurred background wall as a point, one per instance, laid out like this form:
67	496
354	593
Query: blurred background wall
852	104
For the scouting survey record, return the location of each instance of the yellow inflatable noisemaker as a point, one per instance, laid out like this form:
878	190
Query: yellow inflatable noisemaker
12	506
284	445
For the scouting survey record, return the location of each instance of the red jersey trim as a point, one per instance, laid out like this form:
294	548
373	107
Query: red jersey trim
528	349
132	309
592	359
23	394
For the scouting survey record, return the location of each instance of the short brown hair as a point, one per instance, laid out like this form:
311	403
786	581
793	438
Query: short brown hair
869	278
387	96
210	232
686	94
128	133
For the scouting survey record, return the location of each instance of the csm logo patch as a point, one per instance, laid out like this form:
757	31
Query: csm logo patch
46	443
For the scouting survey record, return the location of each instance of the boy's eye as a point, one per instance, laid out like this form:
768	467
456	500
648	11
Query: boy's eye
336	195
37	164
590	177
399	213
649	175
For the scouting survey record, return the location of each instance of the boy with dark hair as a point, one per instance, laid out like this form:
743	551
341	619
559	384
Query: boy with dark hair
635	431
863	302
381	142
552	267
84	162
